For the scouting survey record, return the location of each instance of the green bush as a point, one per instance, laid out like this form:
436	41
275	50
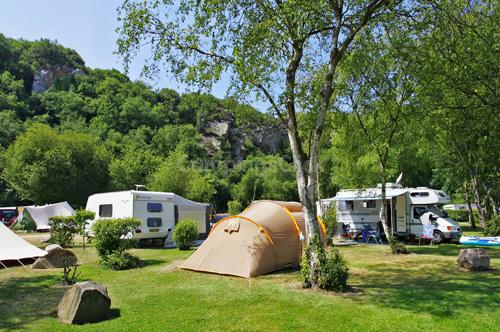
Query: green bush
62	230
492	226
26	225
332	272
185	232
234	207
121	261
112	237
461	215
82	216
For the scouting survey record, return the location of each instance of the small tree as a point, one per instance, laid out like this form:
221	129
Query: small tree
185	232
82	216
62	230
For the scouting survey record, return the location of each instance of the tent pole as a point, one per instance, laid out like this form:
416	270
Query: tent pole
21	263
4	265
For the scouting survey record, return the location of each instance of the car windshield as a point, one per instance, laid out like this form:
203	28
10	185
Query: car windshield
435	210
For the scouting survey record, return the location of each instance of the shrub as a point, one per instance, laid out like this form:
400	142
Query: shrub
81	218
330	219
331	273
185	232
26	224
234	207
121	261
112	237
492	226
62	230
398	248
461	215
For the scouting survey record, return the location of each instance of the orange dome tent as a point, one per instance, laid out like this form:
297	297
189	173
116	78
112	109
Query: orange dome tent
262	239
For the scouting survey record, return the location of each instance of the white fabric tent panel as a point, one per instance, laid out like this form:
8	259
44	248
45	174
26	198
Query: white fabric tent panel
13	247
41	214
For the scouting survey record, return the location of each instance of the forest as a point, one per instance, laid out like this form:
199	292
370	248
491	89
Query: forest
425	107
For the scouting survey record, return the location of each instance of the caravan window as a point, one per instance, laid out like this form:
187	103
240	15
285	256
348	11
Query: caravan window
155	207
420	194
369	204
154	222
346	205
106	211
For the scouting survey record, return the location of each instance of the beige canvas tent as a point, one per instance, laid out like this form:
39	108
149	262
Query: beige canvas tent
41	214
266	237
13	247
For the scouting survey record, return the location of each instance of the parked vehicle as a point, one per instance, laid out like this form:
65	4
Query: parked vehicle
158	211
8	215
407	210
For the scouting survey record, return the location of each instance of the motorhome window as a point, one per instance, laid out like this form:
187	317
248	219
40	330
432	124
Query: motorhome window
106	211
420	194
155	207
419	211
154	222
345	205
369	204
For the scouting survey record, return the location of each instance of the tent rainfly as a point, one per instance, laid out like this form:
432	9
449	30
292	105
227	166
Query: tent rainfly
266	237
41	214
13	247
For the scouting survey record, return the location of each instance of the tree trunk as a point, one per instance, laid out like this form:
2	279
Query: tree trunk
382	212
477	193
472	222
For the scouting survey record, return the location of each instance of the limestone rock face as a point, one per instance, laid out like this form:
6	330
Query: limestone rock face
84	302
474	259
44	78
55	258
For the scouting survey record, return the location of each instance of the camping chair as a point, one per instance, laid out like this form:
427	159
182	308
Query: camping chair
375	235
427	233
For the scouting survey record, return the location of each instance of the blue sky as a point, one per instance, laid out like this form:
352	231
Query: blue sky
87	26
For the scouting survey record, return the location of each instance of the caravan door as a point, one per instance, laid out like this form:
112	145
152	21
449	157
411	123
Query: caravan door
416	214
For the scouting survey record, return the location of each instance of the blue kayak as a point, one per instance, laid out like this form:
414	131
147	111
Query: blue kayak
480	241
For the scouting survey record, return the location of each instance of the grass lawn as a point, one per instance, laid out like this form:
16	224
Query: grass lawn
423	291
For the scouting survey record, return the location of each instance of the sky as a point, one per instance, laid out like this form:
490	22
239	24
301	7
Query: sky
87	26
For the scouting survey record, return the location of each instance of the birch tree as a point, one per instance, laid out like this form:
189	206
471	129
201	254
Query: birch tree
379	89
267	47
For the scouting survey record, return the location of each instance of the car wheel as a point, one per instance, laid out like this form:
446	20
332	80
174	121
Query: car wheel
438	237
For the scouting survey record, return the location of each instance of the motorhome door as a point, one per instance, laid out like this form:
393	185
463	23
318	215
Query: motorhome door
416	224
401	215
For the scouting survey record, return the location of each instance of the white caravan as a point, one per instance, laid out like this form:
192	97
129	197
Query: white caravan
159	212
407	210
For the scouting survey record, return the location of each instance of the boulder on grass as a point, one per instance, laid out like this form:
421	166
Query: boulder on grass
55	258
51	247
84	302
474	259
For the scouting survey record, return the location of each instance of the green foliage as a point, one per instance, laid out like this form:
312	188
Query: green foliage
134	167
63	229
398	248
330	220
177	176
121	261
185	232
27	224
493	226
234	207
113	236
461	215
45	166
331	271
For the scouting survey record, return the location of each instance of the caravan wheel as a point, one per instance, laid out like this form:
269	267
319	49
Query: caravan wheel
437	237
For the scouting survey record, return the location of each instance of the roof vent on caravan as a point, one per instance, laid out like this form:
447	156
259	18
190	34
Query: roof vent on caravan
390	185
140	187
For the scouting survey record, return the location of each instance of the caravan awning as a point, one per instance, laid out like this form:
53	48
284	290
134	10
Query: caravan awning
363	195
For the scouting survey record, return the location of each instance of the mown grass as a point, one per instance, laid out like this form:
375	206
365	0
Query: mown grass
422	291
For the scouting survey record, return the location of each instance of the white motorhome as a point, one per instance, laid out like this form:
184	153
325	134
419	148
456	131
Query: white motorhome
158	211
407	210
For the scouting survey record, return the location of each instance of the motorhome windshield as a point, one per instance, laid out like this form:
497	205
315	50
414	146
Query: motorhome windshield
434	209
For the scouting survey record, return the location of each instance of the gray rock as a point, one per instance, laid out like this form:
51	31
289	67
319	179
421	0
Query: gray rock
45	77
51	247
84	302
55	258
474	259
